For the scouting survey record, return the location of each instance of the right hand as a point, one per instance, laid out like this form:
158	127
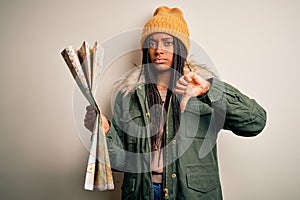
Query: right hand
90	119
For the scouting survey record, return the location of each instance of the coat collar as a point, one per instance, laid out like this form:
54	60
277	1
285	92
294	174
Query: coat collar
134	79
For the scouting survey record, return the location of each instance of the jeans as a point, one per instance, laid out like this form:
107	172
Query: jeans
157	188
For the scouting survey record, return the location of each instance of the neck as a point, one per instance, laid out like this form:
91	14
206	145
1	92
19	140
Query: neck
163	80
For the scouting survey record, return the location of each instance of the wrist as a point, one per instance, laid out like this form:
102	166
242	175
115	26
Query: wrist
107	127
204	89
207	87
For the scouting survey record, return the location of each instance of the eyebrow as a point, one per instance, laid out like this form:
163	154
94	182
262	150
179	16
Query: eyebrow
167	38
163	39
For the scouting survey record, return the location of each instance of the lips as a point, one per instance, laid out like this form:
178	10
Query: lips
159	61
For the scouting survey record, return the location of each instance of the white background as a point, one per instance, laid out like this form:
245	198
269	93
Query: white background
254	45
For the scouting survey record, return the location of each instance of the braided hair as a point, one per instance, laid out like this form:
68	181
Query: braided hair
153	95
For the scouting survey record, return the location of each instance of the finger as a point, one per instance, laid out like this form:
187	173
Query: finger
184	102
88	121
198	79
88	125
91	112
187	77
90	117
182	81
89	108
180	86
178	91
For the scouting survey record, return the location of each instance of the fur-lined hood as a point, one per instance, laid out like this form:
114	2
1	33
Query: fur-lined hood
135	77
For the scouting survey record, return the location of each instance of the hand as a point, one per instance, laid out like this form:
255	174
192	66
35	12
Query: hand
191	85
90	119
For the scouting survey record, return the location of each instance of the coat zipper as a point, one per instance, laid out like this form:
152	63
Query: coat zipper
166	191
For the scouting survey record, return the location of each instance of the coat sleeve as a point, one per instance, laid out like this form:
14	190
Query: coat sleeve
114	139
235	111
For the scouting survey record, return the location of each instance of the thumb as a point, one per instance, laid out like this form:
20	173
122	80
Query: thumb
183	102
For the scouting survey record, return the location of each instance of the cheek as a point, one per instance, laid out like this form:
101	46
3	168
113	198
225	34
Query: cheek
170	56
151	54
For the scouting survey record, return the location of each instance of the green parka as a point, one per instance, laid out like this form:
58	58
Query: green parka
190	155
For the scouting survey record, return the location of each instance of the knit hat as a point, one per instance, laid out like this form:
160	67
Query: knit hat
170	21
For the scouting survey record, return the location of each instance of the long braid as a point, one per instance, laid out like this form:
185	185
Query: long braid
153	97
178	65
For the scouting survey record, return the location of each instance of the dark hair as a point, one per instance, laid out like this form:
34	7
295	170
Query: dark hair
152	94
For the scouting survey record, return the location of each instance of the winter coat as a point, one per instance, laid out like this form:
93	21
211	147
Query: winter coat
190	156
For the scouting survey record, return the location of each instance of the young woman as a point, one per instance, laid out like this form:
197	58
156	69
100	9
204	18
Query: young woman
167	115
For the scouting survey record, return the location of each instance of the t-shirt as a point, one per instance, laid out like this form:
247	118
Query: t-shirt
157	154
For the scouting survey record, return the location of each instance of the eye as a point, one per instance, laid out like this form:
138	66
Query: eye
168	43
152	44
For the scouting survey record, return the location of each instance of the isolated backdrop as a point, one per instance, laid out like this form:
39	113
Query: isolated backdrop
254	45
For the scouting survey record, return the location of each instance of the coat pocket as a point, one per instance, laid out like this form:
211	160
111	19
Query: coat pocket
128	186
202	182
133	124
202	178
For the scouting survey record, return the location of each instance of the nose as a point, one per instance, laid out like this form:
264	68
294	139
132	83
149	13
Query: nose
159	49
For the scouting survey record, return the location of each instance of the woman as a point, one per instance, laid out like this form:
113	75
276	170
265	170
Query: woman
167	115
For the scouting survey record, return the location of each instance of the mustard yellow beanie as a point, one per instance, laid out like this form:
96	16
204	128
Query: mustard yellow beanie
170	21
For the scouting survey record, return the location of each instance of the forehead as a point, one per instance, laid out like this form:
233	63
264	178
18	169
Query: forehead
159	36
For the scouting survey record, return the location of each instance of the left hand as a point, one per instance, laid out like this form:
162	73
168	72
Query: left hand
191	85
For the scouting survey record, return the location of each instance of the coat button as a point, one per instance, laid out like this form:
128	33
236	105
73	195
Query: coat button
139	87
148	114
173	175
173	141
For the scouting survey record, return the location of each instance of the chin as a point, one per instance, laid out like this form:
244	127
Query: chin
161	67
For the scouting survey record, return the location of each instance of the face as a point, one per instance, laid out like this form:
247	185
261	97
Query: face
161	49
